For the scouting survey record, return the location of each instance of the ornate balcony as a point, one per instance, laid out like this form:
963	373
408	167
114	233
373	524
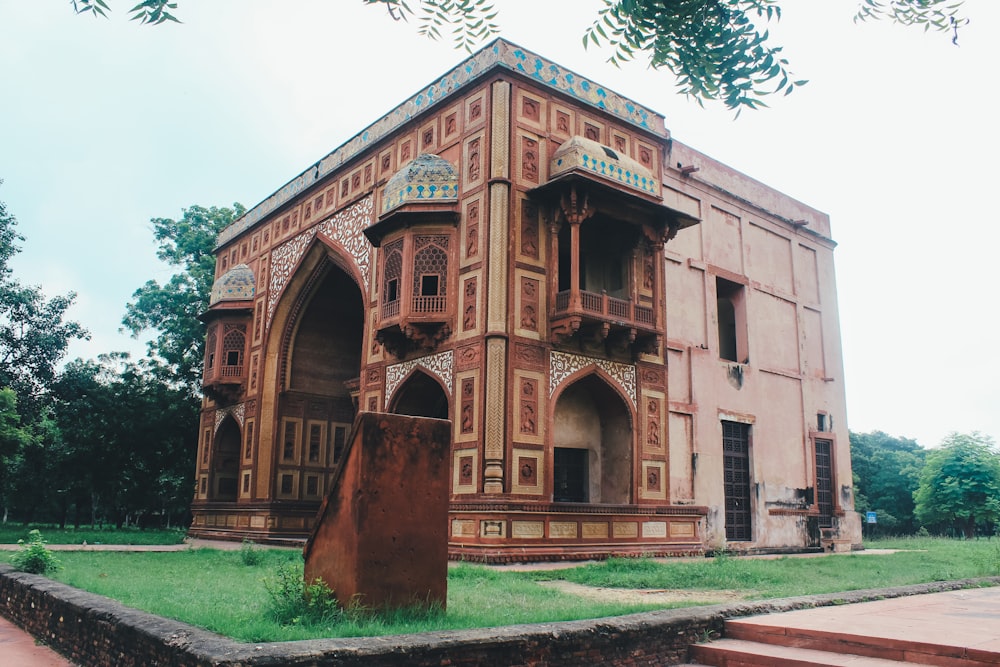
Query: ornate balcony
606	318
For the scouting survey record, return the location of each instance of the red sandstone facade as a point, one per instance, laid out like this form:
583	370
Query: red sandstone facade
637	346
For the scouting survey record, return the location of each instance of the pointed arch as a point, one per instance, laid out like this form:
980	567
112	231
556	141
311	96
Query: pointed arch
421	394
593	441
225	461
310	352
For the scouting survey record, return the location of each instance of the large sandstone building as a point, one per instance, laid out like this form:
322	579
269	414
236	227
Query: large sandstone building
637	346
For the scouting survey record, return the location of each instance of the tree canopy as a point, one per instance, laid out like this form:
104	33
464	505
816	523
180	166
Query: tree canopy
34	331
717	50
960	485
887	472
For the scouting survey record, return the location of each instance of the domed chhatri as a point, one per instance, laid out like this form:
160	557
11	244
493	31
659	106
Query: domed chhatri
586	155
426	178
236	284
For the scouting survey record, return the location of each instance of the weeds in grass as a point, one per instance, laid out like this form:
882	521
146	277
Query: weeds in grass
250	554
295	603
33	556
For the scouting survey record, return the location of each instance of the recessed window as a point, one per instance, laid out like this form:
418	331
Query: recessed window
286	484
392	290
731	308
315	435
339	439
312	485
429	285
233	358
288	451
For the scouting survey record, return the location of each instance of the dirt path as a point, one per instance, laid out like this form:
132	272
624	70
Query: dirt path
643	595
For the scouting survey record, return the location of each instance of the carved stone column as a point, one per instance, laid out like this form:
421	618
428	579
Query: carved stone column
495	437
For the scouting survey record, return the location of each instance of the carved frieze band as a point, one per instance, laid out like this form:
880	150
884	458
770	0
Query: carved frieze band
237	411
344	229
562	365
440	366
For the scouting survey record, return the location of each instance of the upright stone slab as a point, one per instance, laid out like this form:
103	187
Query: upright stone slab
381	535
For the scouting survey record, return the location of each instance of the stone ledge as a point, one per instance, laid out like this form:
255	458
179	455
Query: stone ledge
94	630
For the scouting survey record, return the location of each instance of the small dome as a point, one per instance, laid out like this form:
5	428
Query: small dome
236	284
427	178
587	156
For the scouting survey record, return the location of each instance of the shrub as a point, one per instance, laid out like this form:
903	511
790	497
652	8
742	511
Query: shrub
251	554
295	603
33	556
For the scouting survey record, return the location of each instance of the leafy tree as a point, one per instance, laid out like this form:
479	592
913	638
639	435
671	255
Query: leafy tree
718	50
173	308
960	484
887	472
13	438
127	442
34	333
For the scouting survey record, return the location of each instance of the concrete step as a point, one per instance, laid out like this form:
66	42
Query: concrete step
742	653
899	644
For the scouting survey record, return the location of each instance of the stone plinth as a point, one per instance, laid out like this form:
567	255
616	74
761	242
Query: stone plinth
381	535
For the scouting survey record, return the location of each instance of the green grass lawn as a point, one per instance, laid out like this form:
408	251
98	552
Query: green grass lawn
12	532
923	560
215	590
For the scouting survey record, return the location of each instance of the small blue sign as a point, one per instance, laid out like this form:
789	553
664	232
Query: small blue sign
870	517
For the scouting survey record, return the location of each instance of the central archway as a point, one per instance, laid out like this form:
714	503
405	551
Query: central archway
592	445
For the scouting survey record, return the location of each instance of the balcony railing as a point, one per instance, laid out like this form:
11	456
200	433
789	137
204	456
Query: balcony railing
232	371
608	308
390	309
428	304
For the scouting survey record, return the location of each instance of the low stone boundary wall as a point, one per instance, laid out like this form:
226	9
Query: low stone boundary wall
95	631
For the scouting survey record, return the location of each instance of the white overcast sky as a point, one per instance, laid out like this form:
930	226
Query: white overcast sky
105	124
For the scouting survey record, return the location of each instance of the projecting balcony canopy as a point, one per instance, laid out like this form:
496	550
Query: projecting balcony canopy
232	294
425	188
611	182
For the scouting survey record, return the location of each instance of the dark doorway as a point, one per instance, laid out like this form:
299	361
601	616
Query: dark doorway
824	482
570	468
736	467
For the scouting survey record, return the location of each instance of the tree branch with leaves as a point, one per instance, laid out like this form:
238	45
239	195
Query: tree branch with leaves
718	50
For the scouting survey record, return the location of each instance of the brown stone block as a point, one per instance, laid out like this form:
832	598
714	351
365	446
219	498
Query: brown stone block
381	535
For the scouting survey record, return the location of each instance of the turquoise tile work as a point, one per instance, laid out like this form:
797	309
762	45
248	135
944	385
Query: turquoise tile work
499	54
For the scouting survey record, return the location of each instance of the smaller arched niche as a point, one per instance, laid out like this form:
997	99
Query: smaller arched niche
225	461
592	445
420	396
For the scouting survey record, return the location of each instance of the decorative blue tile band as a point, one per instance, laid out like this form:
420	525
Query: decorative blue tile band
499	54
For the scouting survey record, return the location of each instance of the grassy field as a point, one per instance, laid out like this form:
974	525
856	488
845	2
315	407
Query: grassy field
12	532
922	560
215	590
